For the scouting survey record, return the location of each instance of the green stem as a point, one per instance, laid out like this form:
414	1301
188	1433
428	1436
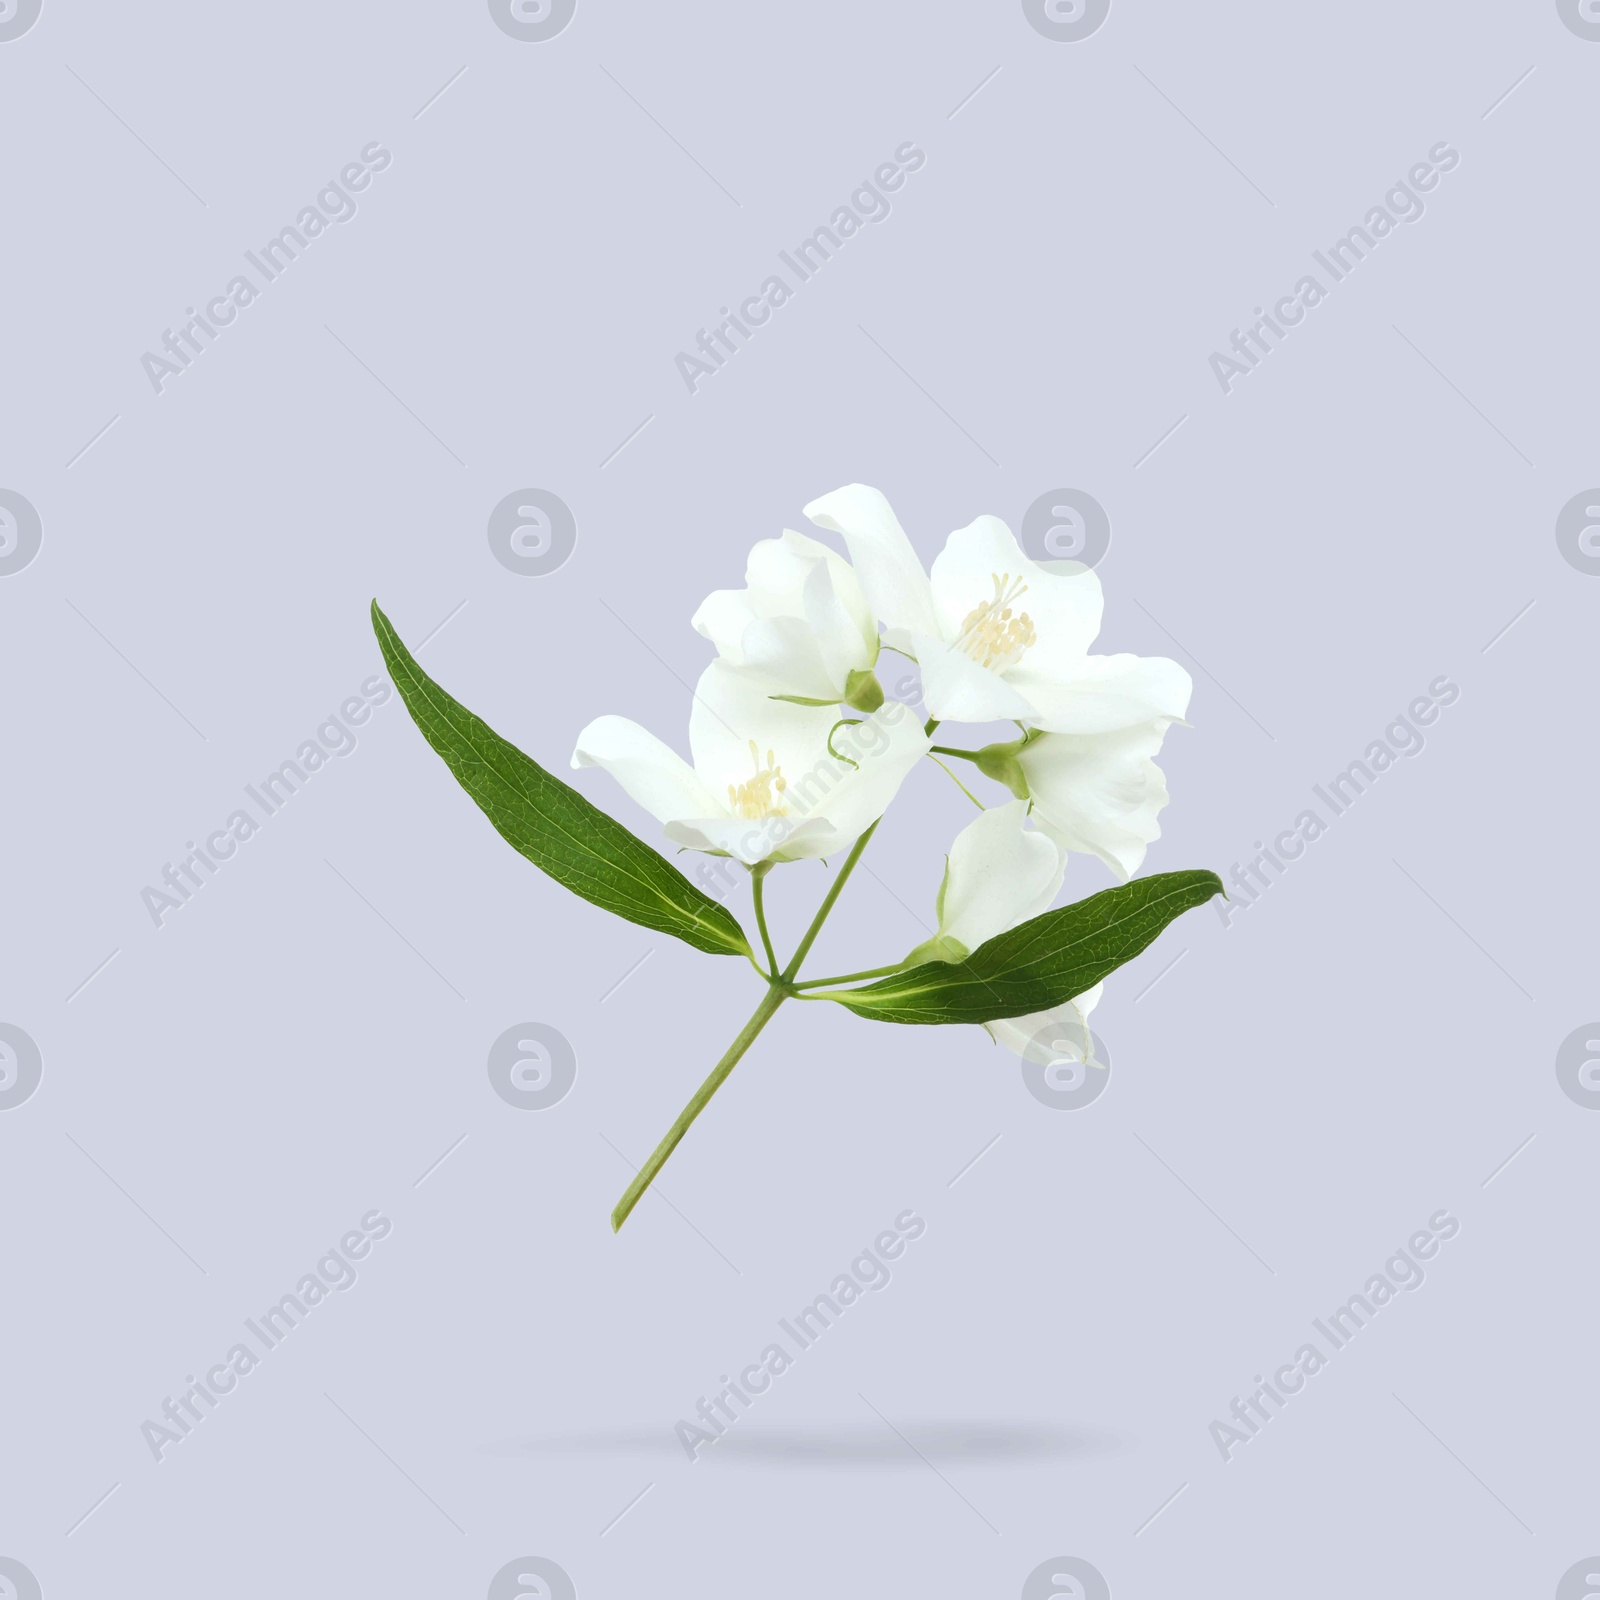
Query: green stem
770	1001
758	883
838	885
957	782
849	977
950	750
827	904
778	990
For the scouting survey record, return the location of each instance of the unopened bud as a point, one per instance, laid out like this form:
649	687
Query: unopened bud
862	691
999	761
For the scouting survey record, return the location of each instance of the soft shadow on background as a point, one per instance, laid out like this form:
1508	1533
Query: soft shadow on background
867	1444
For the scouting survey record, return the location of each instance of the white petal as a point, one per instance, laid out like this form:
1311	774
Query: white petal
774	575
1065	610
1046	1036
653	774
801	623
842	630
1104	693
840	801
885	746
895	584
1000	873
769	838
732	710
956	689
1099	793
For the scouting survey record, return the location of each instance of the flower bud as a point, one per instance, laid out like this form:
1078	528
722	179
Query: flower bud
862	691
999	761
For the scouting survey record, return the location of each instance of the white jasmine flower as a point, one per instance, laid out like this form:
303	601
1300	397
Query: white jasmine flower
764	785
1098	793
998	873
996	635
801	626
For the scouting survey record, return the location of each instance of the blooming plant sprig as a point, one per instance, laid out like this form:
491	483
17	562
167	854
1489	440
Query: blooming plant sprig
796	753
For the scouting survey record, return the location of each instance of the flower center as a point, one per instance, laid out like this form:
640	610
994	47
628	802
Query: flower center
993	634
761	795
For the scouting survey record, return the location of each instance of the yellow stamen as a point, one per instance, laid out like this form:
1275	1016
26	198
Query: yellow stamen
759	796
993	634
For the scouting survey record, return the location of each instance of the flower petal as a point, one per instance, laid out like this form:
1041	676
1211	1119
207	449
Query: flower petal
895	584
767	838
885	747
1099	793
654	775
731	713
842	628
1046	1036
1000	874
801	623
956	689
1101	694
734	710
1065	610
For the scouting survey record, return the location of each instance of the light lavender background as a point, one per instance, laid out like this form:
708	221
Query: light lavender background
1371	1042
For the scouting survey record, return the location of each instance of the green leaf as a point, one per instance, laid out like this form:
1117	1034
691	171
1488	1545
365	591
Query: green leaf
559	831
1041	964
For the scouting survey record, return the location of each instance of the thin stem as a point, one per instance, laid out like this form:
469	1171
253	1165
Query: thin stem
778	990
770	1001
849	977
827	904
838	884
758	884
957	782
950	750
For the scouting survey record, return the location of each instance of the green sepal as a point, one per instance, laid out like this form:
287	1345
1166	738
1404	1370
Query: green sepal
999	761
